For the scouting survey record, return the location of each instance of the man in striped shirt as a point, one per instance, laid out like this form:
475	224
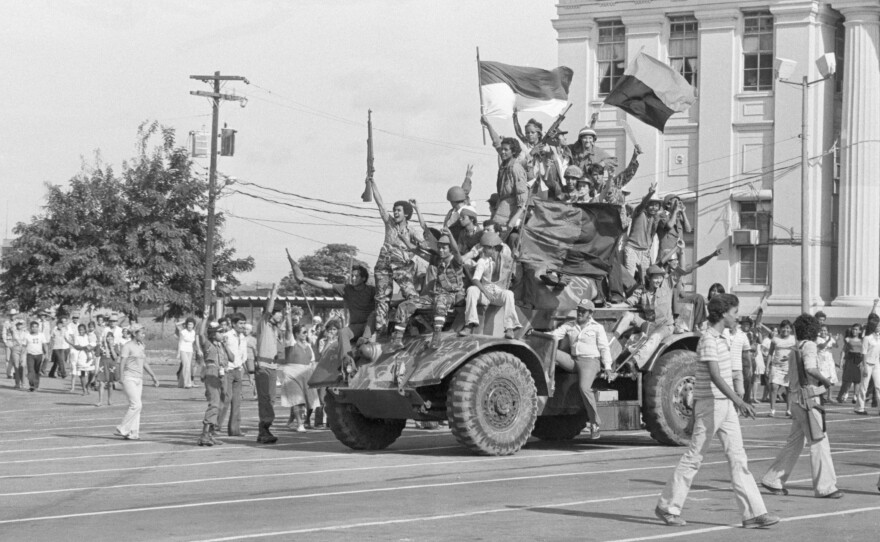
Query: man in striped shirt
716	406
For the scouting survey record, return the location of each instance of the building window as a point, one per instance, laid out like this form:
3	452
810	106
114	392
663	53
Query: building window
611	52
683	44
758	52
754	260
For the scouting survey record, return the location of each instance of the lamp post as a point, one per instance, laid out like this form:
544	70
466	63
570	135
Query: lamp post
784	68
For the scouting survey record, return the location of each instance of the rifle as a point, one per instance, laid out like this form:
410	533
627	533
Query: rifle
367	196
551	132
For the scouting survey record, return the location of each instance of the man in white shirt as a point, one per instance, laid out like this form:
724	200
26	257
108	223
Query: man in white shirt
36	349
8	341
60	348
236	342
587	346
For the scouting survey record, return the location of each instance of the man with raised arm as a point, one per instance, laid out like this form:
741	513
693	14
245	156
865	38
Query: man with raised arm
395	263
357	296
270	347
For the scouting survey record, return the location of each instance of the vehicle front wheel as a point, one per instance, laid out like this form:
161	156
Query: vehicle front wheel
669	398
356	430
492	404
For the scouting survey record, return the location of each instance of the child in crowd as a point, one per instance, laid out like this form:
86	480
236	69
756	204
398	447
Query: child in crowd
780	349
81	362
105	356
295	373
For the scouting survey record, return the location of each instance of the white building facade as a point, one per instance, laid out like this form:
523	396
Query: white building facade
735	156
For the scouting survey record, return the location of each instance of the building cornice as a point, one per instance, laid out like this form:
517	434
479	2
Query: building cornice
573	27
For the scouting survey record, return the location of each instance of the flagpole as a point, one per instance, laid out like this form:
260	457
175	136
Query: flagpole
480	89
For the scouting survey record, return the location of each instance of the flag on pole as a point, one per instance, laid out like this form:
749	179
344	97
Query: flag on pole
651	91
506	87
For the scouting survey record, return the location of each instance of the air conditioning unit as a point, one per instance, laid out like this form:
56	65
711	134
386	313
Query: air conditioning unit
745	237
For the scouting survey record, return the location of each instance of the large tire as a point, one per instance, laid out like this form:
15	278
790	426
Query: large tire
356	430
560	427
492	404
669	399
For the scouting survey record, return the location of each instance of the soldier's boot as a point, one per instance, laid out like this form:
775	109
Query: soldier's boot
268	437
396	340
319	417
435	338
468	329
205	438
509	333
212	432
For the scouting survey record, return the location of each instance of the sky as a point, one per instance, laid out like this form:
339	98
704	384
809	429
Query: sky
78	77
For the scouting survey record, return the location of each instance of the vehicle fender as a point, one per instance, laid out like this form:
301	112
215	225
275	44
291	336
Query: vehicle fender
679	341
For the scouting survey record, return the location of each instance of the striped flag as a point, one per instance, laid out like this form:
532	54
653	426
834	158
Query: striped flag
506	87
651	91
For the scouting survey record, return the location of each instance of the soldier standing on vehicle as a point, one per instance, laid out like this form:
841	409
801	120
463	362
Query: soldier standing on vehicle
588	354
469	235
448	288
358	297
490	282
637	251
716	409
395	263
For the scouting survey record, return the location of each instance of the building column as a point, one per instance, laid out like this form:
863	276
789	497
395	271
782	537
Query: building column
859	240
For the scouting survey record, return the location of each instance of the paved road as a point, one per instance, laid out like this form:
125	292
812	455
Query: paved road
63	476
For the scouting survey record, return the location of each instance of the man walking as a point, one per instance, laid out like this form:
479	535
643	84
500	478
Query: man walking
61	349
270	347
716	409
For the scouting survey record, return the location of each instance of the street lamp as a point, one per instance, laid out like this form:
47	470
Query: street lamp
827	65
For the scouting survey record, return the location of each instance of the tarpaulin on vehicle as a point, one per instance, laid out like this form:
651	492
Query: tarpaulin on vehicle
577	240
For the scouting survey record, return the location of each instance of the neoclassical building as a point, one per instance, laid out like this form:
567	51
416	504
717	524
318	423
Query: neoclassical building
735	157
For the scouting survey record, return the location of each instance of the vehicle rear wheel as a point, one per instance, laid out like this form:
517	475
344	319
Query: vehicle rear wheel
492	404
564	427
356	430
669	398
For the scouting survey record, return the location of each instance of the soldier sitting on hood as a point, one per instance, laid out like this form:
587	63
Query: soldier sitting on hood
655	318
448	287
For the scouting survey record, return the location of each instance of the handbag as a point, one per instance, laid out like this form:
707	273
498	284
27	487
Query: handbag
810	399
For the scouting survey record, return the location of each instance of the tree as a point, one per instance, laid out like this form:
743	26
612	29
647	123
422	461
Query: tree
122	243
330	263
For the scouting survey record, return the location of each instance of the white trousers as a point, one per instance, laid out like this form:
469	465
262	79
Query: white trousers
131	423
868	372
499	298
714	416
821	465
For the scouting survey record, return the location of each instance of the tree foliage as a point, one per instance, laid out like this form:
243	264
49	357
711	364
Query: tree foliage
330	263
122	242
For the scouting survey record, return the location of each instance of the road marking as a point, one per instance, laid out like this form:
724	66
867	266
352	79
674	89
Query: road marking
361	491
130	444
680	533
507	509
323	471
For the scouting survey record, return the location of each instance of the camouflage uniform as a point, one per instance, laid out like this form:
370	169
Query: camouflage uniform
448	287
395	264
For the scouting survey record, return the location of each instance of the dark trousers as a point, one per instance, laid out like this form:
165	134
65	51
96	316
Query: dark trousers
59	363
215	393
34	364
265	381
232	405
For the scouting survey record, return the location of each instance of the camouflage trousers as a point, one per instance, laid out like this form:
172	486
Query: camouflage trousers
386	276
441	303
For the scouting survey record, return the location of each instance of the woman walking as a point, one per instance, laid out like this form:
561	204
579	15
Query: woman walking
186	348
780	350
132	364
852	362
295	373
870	360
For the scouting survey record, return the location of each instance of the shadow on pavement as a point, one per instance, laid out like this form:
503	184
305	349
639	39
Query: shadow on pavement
625	518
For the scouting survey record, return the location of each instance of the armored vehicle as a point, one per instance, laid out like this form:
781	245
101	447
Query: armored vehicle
496	392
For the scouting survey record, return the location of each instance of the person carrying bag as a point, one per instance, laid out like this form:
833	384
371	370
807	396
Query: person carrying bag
808	418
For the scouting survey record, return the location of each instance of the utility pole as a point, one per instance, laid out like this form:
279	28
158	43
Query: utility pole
212	172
